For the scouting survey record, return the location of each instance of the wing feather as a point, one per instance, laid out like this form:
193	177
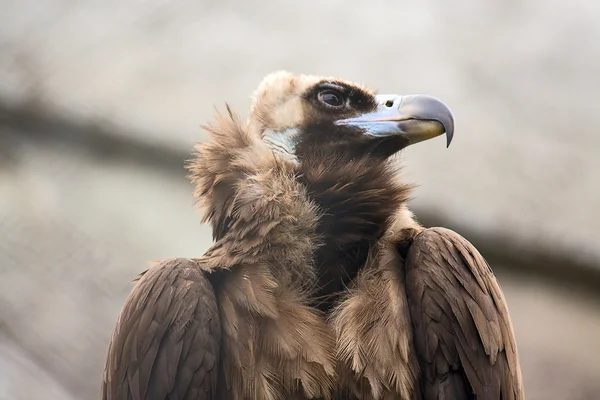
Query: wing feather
463	333
167	339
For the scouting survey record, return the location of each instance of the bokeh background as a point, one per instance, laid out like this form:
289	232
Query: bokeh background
101	102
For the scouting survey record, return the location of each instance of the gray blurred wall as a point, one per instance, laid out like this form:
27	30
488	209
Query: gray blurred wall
101	101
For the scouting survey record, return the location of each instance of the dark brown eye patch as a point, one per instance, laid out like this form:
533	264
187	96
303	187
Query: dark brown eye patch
337	96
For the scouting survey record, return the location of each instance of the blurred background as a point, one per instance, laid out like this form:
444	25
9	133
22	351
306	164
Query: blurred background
101	102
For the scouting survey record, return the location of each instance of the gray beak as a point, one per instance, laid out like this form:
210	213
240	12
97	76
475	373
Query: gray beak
416	117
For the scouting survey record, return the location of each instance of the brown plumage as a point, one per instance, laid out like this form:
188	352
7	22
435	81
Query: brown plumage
319	284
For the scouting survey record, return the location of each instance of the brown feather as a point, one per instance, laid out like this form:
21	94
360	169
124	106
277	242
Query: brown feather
463	334
160	348
274	343
373	329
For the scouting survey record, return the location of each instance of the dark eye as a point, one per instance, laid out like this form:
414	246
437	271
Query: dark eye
331	98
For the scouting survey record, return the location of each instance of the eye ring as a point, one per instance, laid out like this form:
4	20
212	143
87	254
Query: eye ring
331	98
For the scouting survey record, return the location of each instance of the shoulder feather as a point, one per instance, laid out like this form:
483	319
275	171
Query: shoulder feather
463	333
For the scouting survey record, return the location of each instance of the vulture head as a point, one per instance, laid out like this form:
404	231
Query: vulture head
333	139
298	115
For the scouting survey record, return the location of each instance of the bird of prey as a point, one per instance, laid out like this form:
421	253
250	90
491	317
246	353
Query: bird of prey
320	283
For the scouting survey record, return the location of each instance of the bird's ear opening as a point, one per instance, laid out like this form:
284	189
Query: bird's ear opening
283	142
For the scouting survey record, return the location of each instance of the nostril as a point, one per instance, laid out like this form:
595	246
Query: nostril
389	103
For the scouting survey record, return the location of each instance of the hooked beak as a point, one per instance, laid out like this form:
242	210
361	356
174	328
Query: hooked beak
415	117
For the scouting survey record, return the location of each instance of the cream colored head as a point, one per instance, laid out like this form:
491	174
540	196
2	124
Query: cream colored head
279	102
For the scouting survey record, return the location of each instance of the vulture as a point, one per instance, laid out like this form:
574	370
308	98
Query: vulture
319	283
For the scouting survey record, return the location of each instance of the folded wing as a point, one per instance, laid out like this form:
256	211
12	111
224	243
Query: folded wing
462	330
166	342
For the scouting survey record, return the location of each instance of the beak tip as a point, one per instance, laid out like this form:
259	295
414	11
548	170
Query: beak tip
449	136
